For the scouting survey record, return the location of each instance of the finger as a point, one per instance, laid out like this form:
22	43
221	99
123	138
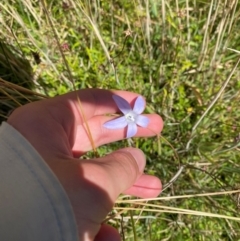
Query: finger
94	102
94	105
116	172
145	187
94	185
102	135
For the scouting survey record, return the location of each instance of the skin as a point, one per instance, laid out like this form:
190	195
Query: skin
56	129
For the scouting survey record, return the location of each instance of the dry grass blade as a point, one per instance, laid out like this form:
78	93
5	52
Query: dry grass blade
135	201
71	78
206	37
9	10
19	88
58	43
96	31
166	209
217	96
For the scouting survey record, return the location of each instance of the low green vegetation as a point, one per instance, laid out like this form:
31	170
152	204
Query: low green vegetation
183	57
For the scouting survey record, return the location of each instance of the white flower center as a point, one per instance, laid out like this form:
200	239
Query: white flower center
131	117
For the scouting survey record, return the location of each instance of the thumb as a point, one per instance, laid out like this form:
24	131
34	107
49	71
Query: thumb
115	172
94	186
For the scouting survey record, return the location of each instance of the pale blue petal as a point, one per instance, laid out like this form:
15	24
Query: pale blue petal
139	105
132	130
122	104
142	121
118	123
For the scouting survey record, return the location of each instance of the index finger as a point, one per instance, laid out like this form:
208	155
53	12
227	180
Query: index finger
94	102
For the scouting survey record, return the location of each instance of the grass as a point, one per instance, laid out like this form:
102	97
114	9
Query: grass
180	56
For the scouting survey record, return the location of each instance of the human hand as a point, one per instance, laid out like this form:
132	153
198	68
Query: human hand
56	129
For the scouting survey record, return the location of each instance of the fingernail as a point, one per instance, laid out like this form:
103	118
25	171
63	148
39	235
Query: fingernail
139	157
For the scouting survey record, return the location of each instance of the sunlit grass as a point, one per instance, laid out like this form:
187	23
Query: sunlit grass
179	56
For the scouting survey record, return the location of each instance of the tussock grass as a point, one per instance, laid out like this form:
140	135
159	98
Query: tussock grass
178	54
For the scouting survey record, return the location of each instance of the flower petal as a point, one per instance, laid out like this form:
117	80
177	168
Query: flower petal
122	104
118	123
142	121
132	130
139	105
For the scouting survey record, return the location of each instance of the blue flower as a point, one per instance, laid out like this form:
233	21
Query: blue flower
131	117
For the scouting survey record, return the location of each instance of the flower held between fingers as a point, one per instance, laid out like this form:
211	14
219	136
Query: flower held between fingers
131	117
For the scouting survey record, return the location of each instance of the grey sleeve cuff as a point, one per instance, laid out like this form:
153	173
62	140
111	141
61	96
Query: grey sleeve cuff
33	204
